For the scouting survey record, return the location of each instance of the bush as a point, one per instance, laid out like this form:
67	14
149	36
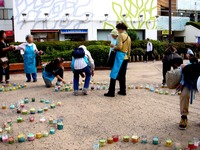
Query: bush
98	49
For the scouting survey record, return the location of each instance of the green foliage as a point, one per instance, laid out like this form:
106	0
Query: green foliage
133	35
98	49
195	24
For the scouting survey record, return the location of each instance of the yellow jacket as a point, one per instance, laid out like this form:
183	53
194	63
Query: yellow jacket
124	44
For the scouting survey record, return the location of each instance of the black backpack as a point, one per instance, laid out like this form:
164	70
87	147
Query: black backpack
78	53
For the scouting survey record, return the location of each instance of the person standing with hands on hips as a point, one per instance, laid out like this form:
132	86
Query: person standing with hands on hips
121	61
4	63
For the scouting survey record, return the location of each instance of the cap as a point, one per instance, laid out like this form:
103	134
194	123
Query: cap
114	32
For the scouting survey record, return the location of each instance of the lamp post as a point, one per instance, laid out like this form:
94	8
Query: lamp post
170	21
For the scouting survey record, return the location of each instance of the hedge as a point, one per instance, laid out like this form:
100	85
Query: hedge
98	49
195	24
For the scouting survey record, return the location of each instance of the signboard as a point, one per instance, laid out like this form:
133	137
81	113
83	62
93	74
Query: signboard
165	32
9	33
1	3
193	5
74	31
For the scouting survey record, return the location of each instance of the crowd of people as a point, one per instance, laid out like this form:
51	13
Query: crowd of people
83	65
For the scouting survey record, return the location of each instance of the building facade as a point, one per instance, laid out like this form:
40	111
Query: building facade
93	20
6	18
82	20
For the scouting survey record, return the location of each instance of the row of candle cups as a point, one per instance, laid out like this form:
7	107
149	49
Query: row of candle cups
136	139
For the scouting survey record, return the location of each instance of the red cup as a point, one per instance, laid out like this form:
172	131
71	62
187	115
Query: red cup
115	138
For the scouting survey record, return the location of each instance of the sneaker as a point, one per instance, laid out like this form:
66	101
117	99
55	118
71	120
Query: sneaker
85	92
145	61
109	95
7	82
75	93
35	80
183	124
28	80
121	93
1	82
59	83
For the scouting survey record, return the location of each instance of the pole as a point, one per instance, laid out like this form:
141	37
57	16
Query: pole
170	21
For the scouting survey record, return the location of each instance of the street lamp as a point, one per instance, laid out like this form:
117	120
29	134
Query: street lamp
170	21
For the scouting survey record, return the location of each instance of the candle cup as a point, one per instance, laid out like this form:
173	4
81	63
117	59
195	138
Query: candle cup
45	134
21	138
110	140
115	138
33	99
5	138
46	108
19	119
8	129
41	100
42	120
144	139
191	145
12	106
168	143
40	111
47	101
126	138
31	119
155	141
59	103
196	142
59	125
18	110
26	101
24	112
102	142
9	122
38	135
4	106
50	121
52	106
22	105
135	139
31	137
177	146
32	111
52	131
11	140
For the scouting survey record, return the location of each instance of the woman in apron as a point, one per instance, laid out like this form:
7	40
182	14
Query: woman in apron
121	61
29	52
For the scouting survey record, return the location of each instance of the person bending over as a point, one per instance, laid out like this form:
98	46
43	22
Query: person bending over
54	69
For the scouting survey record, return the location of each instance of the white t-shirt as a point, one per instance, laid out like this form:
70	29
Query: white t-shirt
149	47
22	47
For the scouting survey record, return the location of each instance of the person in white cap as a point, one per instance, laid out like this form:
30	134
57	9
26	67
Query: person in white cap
114	39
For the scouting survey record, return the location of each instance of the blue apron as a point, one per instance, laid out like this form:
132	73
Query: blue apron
48	75
29	60
119	58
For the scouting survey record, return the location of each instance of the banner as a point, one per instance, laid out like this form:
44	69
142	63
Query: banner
1	3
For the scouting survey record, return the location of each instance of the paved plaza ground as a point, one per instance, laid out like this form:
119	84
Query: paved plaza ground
92	117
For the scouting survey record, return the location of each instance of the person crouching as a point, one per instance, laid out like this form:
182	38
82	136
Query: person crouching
54	69
82	62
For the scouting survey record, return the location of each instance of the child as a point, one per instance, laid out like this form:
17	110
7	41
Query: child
82	62
52	70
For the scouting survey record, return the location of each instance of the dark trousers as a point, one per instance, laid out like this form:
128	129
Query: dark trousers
4	72
60	72
34	76
166	67
150	56
122	79
87	72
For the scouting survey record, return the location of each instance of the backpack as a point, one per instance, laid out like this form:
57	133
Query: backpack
78	53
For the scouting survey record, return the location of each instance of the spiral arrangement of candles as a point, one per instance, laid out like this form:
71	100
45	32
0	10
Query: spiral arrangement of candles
6	137
193	144
12	87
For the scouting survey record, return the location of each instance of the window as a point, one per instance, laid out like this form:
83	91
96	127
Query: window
6	14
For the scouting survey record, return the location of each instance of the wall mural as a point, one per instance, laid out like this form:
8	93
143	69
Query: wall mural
133	10
55	8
